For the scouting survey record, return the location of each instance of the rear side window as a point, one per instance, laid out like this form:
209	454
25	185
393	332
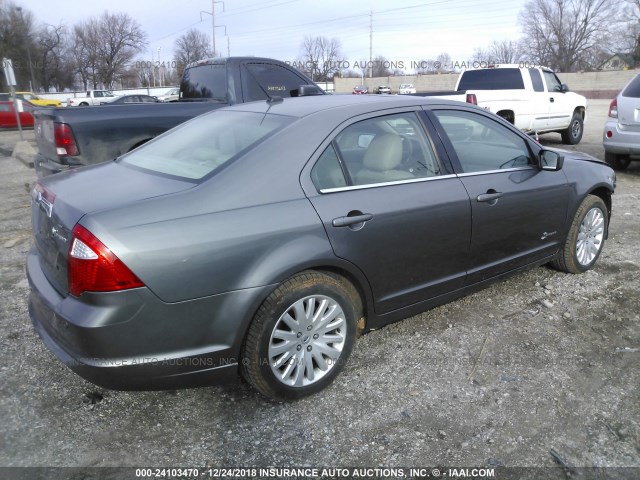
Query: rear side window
492	79
633	89
379	150
536	80
205	81
260	79
195	149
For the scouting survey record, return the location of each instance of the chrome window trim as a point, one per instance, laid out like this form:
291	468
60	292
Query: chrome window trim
387	184
502	170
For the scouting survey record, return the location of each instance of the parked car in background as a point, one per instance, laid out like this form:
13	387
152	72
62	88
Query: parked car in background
81	136
406	89
353	213
38	101
621	136
533	99
93	97
8	115
383	89
172	95
130	99
360	90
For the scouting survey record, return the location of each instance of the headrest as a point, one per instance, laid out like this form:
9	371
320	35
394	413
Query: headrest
384	152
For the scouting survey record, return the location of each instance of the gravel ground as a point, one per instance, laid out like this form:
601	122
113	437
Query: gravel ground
543	362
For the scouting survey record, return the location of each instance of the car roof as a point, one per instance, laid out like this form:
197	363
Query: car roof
348	104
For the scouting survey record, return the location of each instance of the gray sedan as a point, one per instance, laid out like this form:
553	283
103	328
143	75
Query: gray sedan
261	239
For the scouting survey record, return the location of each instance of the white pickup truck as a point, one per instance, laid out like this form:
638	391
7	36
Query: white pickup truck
93	97
531	98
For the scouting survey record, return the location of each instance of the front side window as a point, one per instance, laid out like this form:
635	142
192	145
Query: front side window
378	150
195	149
553	84
482	144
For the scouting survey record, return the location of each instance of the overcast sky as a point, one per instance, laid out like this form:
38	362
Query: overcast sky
402	30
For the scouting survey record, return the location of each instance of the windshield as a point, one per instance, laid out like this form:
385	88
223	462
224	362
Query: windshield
197	148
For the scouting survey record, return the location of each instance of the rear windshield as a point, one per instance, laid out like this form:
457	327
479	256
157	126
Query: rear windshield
492	79
195	149
205	82
633	89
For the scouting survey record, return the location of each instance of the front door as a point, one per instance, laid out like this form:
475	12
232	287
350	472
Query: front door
518	210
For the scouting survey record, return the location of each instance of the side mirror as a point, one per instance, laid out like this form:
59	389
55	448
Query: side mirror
564	88
306	90
550	160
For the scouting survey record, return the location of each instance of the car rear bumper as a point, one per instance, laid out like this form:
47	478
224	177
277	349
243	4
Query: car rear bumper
622	141
131	340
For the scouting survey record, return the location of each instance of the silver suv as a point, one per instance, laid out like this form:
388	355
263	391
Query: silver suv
621	136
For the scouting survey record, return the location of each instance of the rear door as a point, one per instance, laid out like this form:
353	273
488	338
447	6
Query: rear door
518	211
629	106
392	208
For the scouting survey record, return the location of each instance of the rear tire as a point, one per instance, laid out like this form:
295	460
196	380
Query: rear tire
573	134
617	161
301	337
585	240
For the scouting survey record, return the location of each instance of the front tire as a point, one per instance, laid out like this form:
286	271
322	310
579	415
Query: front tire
573	134
617	161
302	335
585	240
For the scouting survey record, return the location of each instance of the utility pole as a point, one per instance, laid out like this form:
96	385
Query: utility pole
213	26
370	43
213	23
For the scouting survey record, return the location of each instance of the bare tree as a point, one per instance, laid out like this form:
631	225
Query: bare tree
498	52
103	48
561	33
122	39
443	63
381	67
17	41
191	47
322	57
55	65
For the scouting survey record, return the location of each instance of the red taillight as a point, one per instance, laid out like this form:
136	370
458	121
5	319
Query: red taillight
613	108
95	268
65	143
44	193
471	98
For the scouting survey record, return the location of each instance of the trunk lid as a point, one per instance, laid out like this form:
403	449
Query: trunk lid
60	201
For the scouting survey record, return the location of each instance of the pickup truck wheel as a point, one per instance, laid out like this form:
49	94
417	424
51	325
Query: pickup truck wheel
84	104
586	236
573	134
617	161
301	337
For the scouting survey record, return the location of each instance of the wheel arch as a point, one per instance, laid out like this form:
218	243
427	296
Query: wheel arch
508	115
605	194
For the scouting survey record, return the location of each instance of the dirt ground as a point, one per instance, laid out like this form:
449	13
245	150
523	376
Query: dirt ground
539	370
